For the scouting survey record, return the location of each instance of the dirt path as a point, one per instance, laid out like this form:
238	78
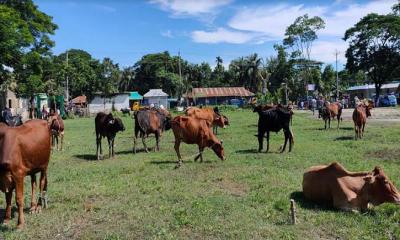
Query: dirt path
378	115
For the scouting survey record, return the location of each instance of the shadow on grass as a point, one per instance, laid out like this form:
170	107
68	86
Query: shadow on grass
246	151
88	157
13	220
174	162
300	200
344	138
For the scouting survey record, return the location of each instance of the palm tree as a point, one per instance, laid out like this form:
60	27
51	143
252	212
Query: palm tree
254	65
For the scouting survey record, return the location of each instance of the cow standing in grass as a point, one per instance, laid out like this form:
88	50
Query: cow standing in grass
151	121
107	126
191	130
330	111
274	120
360	114
211	115
56	125
24	150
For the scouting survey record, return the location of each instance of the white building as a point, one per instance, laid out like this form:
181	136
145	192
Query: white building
156	97
101	104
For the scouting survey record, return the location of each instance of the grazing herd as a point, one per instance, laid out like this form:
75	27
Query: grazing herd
25	150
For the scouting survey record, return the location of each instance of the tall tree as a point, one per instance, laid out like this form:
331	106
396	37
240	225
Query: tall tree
217	76
254	65
300	36
374	47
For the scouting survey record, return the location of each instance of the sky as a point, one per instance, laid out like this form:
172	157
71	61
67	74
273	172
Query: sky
200	30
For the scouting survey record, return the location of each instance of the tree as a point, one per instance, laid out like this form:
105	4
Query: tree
328	81
374	47
254	65
280	69
217	76
300	36
82	70
127	79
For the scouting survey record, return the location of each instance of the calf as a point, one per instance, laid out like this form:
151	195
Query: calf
211	115
330	111
24	150
56	125
191	130
346	190
107	126
360	114
150	121
274	120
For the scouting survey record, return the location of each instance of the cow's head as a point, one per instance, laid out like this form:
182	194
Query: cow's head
380	188
257	108
116	124
219	121
226	120
218	149
369	106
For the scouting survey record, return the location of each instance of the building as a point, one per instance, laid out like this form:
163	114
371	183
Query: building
156	97
103	104
368	90
134	97
220	95
80	101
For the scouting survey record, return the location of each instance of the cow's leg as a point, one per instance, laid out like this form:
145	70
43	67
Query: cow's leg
109	147
286	133
112	147
267	141
362	132
355	131
8	206
291	140
57	143
260	140
200	155
99	150
135	136
329	122
177	144
144	142
33	198
19	197
326	120
62	139
338	121
157	148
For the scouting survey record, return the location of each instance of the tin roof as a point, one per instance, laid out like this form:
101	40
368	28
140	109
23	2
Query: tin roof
79	100
220	92
135	96
155	93
372	86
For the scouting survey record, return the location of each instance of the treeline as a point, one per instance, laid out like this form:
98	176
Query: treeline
28	66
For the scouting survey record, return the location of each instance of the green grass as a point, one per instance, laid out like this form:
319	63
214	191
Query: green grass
247	196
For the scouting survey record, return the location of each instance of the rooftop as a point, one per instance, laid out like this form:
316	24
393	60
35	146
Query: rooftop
156	93
372	86
220	92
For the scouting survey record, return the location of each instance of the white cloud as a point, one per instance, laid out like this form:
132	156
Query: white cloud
167	34
324	51
338	22
221	35
190	7
272	21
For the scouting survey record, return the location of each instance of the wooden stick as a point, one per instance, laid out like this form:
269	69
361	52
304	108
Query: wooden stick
293	211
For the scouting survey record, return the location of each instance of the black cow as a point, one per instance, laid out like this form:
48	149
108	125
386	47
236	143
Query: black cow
274	120
151	121
107	126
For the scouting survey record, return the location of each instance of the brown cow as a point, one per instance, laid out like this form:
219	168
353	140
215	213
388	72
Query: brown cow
330	111
208	114
348	190
360	114
56	125
25	150
191	130
150	121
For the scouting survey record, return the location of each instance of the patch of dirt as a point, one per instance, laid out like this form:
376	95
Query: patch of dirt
232	187
385	154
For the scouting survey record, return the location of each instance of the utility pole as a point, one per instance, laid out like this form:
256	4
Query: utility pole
337	76
67	80
180	75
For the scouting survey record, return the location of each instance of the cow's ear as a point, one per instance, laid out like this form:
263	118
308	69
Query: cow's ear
377	171
222	142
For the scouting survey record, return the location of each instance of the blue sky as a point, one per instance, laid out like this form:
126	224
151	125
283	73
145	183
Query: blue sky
125	30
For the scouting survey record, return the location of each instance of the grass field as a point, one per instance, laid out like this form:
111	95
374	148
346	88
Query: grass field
247	196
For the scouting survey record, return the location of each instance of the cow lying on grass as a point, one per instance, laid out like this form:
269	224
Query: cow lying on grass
195	131
25	150
107	126
274	120
348	190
